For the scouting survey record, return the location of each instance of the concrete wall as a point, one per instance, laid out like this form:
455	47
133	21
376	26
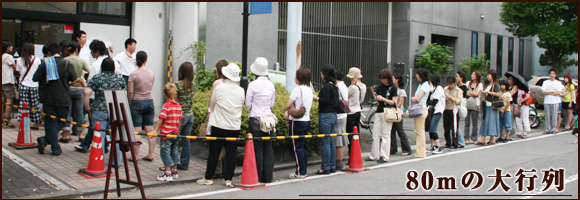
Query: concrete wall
184	25
224	34
148	30
452	19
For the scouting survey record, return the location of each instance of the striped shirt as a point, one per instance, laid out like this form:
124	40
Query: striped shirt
171	115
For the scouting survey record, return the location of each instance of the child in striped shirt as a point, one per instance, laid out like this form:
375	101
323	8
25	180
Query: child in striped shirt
169	123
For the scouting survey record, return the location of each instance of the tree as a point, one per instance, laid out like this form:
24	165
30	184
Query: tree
435	58
197	51
475	63
555	24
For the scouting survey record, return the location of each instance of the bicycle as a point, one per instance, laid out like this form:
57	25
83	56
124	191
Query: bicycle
534	117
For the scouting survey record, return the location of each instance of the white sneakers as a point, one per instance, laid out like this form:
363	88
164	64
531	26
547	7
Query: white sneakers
228	184
165	177
204	181
294	176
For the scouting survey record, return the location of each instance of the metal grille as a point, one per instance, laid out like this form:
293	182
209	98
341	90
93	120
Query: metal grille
344	34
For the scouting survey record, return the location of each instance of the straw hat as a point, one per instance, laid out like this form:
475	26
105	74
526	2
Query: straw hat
260	67
232	72
354	72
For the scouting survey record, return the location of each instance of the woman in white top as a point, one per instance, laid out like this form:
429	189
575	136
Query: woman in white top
218	66
27	65
300	96
226	106
341	141
260	98
356	95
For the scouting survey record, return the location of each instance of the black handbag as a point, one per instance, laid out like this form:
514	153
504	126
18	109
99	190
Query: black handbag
496	102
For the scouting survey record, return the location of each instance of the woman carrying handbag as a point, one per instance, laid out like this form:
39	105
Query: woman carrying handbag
386	99
298	114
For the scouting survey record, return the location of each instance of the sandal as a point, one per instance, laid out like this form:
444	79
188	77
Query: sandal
63	140
147	159
480	143
7	123
490	143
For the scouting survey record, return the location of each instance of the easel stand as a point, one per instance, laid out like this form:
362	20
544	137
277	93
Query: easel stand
117	109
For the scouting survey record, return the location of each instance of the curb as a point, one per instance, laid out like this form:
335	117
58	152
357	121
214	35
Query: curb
69	194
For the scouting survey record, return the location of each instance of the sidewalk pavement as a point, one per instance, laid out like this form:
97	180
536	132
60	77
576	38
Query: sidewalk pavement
60	172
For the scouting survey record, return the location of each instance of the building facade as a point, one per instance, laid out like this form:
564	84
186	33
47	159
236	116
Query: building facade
369	35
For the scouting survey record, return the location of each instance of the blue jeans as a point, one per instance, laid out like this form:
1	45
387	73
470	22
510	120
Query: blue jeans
52	126
103	118
505	121
143	113
298	146
326	123
461	140
76	110
185	130
169	152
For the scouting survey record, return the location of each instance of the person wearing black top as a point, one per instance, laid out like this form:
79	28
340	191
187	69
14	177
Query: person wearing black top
460	78
57	105
328	102
386	97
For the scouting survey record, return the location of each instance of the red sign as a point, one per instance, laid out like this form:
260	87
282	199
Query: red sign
68	29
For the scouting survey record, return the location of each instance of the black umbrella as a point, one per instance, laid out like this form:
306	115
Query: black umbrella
519	81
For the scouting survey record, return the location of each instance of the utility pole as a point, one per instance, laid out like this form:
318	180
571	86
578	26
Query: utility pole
246	14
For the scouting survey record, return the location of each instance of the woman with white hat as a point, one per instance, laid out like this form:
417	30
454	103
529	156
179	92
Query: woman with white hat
260	98
356	95
226	106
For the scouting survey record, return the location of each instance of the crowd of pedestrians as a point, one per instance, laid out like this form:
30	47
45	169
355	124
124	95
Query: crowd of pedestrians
65	70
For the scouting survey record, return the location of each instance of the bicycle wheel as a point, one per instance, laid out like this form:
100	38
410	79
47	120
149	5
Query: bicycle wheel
534	121
371	122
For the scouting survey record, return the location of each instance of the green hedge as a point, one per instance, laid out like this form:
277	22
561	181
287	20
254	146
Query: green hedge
201	102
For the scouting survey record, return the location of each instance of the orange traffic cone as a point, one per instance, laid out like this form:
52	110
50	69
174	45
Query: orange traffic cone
250	172
356	162
96	168
23	141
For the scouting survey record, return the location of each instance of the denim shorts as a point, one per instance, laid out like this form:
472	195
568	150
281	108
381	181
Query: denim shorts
505	121
143	113
434	123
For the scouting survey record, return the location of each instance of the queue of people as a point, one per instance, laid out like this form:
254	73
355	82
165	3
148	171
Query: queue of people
64	69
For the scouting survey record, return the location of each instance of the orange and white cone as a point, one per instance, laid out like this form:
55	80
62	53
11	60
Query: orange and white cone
96	168
356	163
24	140
249	171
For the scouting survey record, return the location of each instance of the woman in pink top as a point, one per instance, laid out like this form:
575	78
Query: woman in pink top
142	109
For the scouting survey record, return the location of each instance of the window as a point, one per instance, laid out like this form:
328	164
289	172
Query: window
521	58
541	81
511	54
105	8
55	7
488	47
474	38
499	53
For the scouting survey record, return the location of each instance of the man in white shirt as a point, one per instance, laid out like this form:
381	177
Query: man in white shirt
554	91
126	60
85	52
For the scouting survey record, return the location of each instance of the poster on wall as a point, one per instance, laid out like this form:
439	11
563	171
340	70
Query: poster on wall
38	50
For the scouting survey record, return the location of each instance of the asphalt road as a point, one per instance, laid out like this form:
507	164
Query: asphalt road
389	180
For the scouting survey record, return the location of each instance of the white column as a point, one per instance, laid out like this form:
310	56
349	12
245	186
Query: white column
294	32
